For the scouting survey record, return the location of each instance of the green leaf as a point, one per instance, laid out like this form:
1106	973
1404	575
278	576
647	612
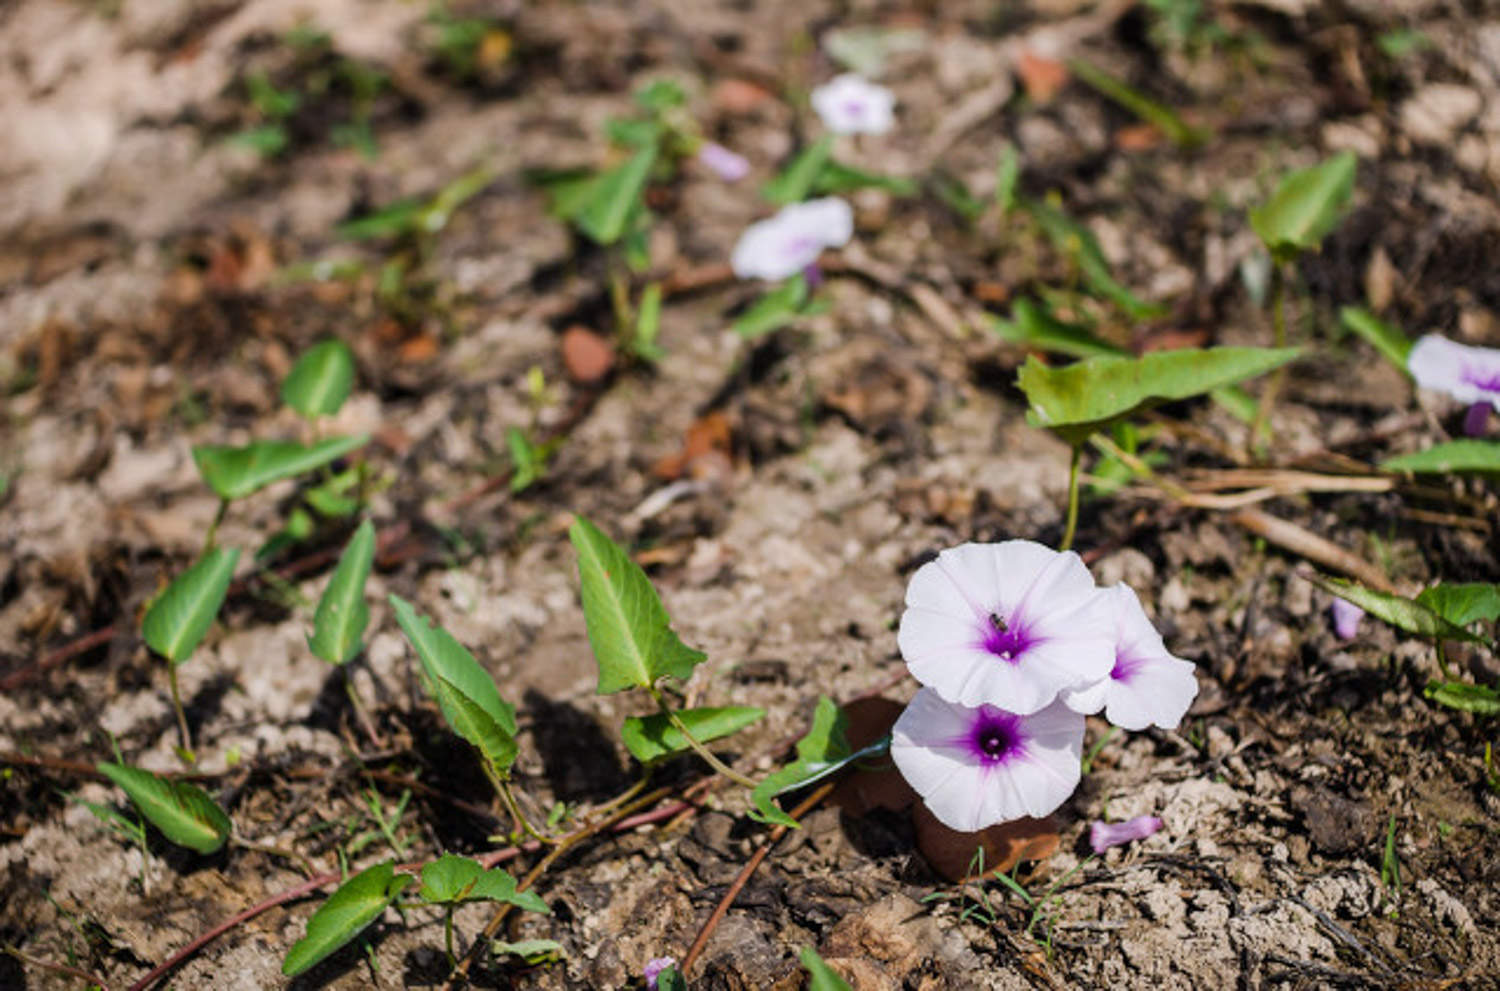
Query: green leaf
1403	613
1481	700
1077	242
342	613
1237	403
822	977
528	461
1163	118
1033	325
1463	603
628	627
454	879
1455	455
671	979
436	214
358	902
615	197
653	738
320	381
402	217
235	472
661	94
835	177
268	140
795	182
183	612
824	750
648	324
1007	177
1388	340
1087	396
774	310
183	812
465	691
533	951
1305	207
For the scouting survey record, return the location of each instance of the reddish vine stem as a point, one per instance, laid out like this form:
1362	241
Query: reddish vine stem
722	909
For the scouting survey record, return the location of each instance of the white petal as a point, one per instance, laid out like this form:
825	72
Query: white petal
851	105
1160	692
764	252
1468	374
1088	700
830	221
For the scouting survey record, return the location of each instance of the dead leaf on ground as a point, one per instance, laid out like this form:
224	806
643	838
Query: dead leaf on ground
879	785
587	357
707	450
1043	77
739	96
951	853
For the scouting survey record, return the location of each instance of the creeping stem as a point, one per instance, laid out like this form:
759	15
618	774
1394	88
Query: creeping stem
182	727
697	746
1262	432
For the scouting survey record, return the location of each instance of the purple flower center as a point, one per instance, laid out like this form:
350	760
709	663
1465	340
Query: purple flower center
801	244
1479	379
854	108
1006	641
995	737
1125	667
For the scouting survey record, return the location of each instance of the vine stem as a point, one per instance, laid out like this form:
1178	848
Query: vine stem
1071	527
182	727
522	824
1260	435
213	528
697	745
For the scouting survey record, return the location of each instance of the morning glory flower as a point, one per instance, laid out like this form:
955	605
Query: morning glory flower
978	766
1103	835
1145	684
654	968
1346	617
787	243
1011	624
853	105
1468	374
725	164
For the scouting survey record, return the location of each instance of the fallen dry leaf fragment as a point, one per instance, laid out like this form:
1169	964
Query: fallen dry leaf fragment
587	357
739	96
1042	77
951	853
707	450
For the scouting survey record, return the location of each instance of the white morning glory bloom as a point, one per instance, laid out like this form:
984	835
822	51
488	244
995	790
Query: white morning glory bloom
1146	684
851	104
1011	624
975	767
1468	374
785	244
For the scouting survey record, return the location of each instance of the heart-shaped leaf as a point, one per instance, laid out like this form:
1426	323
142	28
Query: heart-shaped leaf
653	738
235	472
464	690
183	812
342	613
1479	456
183	612
1305	207
358	902
628	627
321	379
1087	396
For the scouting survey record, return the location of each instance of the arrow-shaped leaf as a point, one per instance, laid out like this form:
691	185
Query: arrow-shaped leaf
452	879
1399	611
358	902
653	738
321	379
1305	207
464	690
628	627
235	472
824	750
183	812
616	196
183	612
1479	456
342	613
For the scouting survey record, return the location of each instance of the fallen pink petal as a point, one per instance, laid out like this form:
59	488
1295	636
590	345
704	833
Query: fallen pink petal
1103	835
724	163
1346	617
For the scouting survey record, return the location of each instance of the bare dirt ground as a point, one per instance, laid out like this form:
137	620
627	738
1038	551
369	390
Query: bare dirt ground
141	312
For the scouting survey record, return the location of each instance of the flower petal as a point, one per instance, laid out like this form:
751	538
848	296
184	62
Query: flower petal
1468	374
1103	835
850	104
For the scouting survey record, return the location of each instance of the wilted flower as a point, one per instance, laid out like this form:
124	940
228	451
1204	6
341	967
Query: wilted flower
1009	624
785	244
1346	617
722	162
653	969
977	766
853	105
1146	684
1103	835
1468	374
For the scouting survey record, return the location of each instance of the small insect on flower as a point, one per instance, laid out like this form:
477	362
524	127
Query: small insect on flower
975	767
725	164
1011	624
1103	835
850	104
1468	374
1146	684
785	244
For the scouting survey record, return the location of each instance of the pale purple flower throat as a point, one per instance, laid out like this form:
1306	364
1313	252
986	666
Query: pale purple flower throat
1007	641
995	738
